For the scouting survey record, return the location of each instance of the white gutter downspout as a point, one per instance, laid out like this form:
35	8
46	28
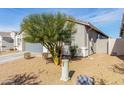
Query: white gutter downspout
87	36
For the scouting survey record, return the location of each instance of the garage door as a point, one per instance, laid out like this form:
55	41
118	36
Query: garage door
34	47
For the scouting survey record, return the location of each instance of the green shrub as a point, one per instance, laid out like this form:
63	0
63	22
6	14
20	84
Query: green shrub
73	50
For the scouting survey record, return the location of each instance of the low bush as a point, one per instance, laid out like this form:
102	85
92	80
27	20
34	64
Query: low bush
73	50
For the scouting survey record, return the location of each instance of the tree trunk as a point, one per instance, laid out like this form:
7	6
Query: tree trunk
60	59
56	60
56	56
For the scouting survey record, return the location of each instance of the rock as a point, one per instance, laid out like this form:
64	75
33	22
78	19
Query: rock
85	80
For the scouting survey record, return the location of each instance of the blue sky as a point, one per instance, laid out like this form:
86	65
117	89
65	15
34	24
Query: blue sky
106	19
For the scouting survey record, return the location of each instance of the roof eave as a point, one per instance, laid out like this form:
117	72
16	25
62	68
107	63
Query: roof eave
90	25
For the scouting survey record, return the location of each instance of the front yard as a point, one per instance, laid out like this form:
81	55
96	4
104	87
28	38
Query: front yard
36	71
7	52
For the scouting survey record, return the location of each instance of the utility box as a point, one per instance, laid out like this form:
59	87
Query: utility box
65	70
84	51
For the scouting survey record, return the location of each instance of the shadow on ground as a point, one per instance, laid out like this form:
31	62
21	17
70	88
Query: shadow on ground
71	73
30	58
22	79
76	58
118	68
121	57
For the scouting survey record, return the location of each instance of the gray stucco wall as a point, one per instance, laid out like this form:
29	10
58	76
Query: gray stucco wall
92	37
79	36
102	46
85	37
34	47
111	46
116	47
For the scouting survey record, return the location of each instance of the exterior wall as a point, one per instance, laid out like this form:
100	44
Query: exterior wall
91	41
79	38
121	35
0	43
21	45
85	38
92	37
102	46
44	50
34	47
102	37
7	44
110	46
116	47
13	35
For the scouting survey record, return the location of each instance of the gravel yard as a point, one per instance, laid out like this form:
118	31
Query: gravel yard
35	71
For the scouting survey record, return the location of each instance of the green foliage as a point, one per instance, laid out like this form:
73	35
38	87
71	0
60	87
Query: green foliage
73	50
51	30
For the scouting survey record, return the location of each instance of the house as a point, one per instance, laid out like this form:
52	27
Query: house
85	38
21	45
122	28
7	40
19	42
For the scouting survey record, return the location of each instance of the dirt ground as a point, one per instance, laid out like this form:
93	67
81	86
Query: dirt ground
35	70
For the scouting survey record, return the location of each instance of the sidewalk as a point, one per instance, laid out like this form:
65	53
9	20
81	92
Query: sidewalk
10	57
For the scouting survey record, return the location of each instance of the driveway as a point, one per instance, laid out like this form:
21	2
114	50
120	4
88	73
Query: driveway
10	57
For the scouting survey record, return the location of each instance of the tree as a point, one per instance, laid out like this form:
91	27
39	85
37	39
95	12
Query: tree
51	30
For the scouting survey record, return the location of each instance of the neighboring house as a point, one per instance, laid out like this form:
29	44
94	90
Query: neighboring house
122	28
7	40
19	42
25	46
85	38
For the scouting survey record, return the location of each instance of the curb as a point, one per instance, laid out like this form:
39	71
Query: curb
13	54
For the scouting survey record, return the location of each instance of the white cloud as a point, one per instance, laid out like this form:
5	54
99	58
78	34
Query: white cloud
8	28
104	16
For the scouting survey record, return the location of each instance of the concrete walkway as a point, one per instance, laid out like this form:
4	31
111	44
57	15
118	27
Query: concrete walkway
10	57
